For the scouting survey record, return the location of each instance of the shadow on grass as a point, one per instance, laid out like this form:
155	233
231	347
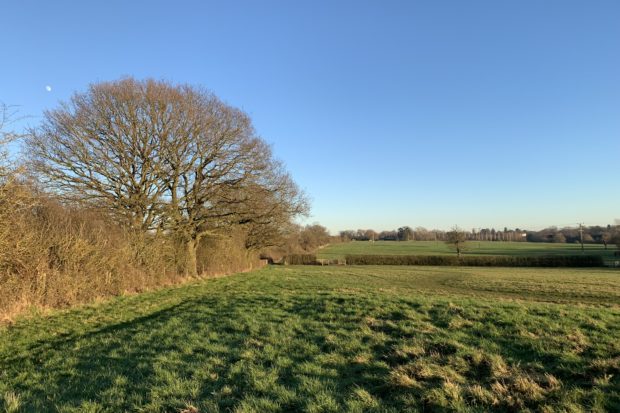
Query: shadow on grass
133	357
217	351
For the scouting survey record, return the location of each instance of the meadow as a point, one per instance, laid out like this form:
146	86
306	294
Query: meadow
329	339
334	251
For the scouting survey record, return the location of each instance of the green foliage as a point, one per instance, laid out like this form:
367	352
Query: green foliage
330	339
479	261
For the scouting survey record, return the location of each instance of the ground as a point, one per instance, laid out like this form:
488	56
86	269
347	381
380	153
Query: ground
329	339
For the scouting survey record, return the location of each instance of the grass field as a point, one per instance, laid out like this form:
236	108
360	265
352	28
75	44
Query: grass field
473	248
330	339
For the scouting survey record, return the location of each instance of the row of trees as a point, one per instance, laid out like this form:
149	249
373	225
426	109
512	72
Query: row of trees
591	234
406	233
401	234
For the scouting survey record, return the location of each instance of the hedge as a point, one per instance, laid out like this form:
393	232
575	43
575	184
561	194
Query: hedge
300	259
479	261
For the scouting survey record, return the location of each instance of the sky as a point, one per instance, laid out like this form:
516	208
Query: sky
387	113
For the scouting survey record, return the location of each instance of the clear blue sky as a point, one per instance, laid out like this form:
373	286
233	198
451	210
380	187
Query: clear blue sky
434	113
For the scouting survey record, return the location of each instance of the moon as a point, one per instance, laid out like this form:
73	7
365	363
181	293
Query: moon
48	88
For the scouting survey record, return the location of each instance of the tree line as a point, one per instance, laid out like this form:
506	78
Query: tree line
588	234
406	233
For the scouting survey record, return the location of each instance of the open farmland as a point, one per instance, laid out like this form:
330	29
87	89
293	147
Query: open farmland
472	248
329	339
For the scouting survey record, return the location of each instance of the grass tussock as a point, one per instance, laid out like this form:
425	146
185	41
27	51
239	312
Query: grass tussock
10	402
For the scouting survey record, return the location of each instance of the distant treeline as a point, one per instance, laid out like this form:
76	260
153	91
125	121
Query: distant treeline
591	234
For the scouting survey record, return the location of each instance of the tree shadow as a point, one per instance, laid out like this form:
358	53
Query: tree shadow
215	332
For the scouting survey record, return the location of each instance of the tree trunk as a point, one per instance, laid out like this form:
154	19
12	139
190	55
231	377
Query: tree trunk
191	265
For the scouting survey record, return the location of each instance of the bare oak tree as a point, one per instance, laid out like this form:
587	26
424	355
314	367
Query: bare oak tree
103	148
456	238
163	157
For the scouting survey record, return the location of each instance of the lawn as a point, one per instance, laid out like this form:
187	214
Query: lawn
329	339
472	248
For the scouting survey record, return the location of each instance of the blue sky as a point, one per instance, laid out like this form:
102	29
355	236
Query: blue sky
434	113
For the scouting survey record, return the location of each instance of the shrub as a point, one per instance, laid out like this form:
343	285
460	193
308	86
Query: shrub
54	255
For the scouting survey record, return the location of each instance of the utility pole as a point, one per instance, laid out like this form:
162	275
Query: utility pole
581	235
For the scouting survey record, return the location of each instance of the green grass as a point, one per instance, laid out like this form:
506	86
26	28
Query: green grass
473	248
330	339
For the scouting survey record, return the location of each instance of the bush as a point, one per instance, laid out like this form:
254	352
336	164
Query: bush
479	261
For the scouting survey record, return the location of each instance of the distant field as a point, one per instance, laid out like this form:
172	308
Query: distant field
330	339
473	248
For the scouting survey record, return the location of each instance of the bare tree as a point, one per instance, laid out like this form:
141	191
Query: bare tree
405	233
370	234
314	236
422	234
104	148
347	235
165	157
222	174
558	237
456	238
263	207
7	117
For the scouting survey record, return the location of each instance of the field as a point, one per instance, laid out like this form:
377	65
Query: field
473	248
329	339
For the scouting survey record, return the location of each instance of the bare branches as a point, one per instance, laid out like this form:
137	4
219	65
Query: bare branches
103	148
456	239
7	117
158	156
